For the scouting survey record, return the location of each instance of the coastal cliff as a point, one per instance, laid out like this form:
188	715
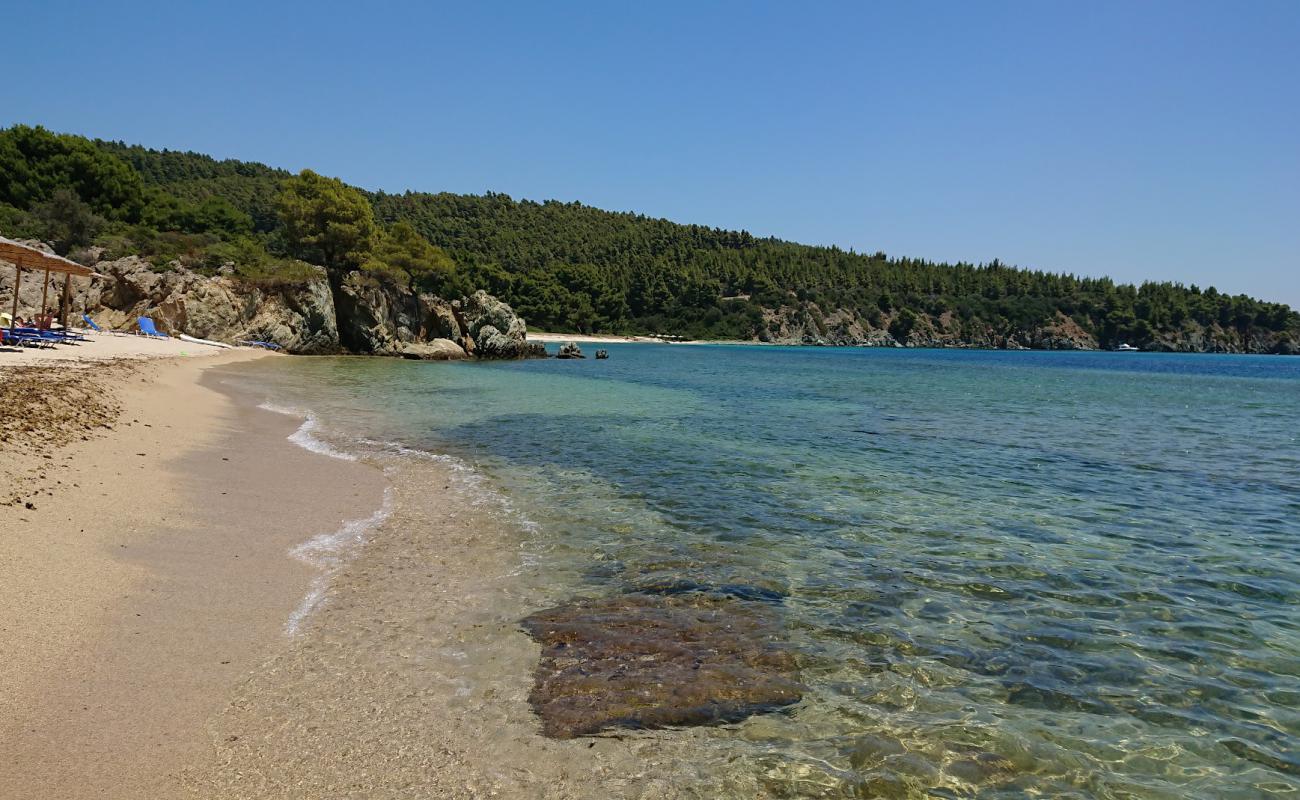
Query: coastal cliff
305	316
808	324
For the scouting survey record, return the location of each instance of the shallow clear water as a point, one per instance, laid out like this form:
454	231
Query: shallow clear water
1006	574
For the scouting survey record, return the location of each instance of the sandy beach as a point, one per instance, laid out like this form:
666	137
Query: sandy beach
152	625
609	338
145	559
586	338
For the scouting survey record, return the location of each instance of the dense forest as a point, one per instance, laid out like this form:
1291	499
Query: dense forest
570	267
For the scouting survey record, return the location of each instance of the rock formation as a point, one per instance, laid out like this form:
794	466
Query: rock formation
360	314
494	329
806	323
570	350
434	350
647	661
299	317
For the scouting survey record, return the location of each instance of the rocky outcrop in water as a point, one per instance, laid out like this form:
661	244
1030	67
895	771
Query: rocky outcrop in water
382	319
570	350
649	661
494	330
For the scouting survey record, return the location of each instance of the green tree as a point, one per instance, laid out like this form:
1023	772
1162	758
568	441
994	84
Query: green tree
903	324
326	221
216	215
66	222
402	255
35	163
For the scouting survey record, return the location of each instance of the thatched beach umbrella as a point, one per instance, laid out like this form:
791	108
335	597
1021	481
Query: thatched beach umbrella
25	257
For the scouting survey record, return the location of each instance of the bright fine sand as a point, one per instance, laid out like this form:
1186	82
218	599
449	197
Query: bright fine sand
586	338
144	537
104	347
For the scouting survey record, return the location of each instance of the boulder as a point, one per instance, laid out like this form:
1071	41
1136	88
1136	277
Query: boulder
434	350
493	330
649	661
492	343
570	350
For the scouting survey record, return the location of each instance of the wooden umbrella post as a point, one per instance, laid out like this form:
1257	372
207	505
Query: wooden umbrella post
63	303
45	292
18	283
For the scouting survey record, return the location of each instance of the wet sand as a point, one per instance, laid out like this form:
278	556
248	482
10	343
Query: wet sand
146	572
145	644
412	679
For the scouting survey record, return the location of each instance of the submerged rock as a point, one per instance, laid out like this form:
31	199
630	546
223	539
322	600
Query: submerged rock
570	350
739	591
602	354
646	661
982	767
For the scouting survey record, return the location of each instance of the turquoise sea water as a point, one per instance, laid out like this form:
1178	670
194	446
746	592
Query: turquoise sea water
1005	574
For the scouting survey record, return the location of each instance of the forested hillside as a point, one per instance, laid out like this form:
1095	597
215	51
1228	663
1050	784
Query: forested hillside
570	267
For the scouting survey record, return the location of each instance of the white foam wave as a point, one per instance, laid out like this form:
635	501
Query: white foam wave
305	437
327	552
472	482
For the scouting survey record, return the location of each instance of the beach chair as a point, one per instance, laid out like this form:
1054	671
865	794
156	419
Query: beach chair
94	326
147	328
57	334
16	337
53	336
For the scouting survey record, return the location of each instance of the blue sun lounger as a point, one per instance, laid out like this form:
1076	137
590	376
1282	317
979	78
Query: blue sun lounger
50	336
21	337
147	328
94	326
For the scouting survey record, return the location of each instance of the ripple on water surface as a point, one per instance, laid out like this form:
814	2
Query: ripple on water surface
1066	575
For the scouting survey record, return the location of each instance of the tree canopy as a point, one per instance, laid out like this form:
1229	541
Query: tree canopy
35	164
325	221
406	257
564	266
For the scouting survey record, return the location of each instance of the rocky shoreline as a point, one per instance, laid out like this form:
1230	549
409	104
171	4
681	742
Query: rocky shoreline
358	313
317	316
809	325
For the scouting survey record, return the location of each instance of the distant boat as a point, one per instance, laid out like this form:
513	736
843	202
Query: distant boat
1126	348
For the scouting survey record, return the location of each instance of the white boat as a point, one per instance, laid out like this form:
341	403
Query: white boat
1126	348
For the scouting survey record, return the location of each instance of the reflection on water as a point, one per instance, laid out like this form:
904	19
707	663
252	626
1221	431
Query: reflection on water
1066	575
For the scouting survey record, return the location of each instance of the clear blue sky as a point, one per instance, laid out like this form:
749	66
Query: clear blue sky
1139	139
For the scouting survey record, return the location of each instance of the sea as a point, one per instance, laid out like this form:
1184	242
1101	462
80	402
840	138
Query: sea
1001	574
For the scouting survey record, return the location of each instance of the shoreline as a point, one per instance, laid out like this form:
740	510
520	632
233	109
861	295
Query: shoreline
590	338
191	613
584	338
148	572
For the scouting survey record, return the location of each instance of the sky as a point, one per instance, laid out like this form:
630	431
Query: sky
1141	139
